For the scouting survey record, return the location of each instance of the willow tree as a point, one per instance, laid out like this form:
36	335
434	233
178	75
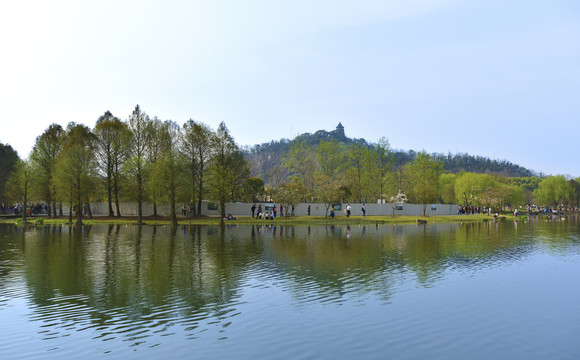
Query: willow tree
197	151
136	165
76	168
112	136
43	160
228	168
554	191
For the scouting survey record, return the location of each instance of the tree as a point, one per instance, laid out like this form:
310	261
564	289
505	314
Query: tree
380	162
300	160
137	162
253	189
112	136
20	184
425	174
76	168
42	160
228	168
327	191
554	190
155	138
396	200
197	150
331	158
290	194
447	188
168	169
8	160
357	155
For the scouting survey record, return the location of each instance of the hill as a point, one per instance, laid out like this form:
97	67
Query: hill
265	159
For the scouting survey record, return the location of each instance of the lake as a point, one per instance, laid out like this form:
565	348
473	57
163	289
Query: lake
493	290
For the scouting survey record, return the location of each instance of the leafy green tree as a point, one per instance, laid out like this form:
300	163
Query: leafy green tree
169	169
327	191
154	149
554	190
253	189
76	168
425	172
8	160
357	155
228	169
42	160
379	163
112	136
447	188
331	158
197	150
474	189
20	185
301	161
290	194
136	164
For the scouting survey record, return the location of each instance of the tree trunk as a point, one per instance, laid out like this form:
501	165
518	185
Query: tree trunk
110	195
139	200
89	211
173	212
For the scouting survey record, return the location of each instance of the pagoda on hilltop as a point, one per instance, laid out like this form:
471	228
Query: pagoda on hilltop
339	132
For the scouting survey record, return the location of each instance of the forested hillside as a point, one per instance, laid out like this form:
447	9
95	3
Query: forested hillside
265	159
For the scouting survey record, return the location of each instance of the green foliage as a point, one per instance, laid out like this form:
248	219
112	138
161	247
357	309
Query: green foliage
228	169
424	172
196	149
289	194
447	188
76	167
112	139
555	191
8	160
253	189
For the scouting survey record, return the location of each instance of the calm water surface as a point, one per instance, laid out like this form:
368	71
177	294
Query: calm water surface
449	291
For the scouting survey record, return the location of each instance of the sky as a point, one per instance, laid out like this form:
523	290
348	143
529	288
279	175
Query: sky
493	78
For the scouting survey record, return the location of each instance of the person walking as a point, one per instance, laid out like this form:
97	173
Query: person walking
364	210
348	210
253	210
274	211
308	210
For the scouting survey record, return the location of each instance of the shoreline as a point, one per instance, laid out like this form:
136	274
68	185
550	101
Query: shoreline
292	220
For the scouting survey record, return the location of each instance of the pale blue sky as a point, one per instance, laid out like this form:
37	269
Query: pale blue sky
492	78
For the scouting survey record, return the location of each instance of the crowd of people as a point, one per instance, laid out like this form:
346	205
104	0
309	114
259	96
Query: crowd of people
31	209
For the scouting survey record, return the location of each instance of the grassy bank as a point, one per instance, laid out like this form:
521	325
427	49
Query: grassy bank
246	220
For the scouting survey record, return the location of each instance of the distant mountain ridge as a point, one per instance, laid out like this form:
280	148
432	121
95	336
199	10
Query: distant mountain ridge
265	158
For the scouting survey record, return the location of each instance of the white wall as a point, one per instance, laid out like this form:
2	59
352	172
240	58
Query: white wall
244	209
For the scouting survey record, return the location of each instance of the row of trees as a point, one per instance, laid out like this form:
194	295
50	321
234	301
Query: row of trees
140	159
144	159
334	172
